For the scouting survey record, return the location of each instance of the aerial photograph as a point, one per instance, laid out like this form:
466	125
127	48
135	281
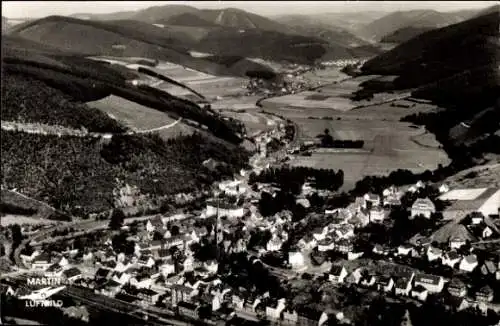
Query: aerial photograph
268	163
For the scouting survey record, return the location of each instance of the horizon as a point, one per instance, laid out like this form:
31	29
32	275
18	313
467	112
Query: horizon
40	9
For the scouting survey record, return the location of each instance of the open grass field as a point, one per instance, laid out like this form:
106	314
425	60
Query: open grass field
9	219
254	122
139	117
389	143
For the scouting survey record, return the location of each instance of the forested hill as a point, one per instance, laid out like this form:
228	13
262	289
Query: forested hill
82	174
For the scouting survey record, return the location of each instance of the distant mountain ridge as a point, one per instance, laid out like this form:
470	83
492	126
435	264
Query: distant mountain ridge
414	18
404	34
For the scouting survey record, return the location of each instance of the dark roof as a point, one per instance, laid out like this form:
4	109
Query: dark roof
187	305
43	257
336	270
72	272
179	287
147	291
102	272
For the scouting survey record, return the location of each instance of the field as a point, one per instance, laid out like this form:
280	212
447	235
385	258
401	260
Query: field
139	117
209	85
389	143
334	95
21	219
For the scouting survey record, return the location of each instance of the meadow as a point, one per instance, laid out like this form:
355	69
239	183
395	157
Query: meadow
139	117
389	143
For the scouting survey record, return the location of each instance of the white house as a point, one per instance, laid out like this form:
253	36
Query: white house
451	258
457	242
432	283
63	262
211	266
168	267
274	244
487	232
419	292
444	188
424	207
469	263
155	224
406	250
344	231
434	253
273	312
370	199
122	277
308	242
296	259
377	214
385	283
223	209
403	284
146	261
326	244
41	262
337	274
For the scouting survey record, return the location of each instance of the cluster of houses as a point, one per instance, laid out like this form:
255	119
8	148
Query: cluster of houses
411	284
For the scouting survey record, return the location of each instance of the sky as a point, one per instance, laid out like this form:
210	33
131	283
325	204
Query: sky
37	9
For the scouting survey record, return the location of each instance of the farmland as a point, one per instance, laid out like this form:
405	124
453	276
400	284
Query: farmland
389	143
21	219
139	117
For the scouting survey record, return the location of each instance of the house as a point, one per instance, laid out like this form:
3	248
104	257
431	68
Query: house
80	313
337	274
308	242
385	283
148	295
487	232
223	208
402	285
273	311
344	246
63	262
457	288
110	288
380	250
232	188
488	268
457	242
432	283
476	218
72	274
237	302
368	280
290	317
41	262
434	253
121	277
155	224
168	267
175	241
344	231
146	261
377	214
102	273
211	266
371	200
354	255
180	293
54	270
485	294
419	292
424	207
320	233
141	281
406	250
469	263
326	244
296	259
356	276
444	188
274	244
451	258
187	309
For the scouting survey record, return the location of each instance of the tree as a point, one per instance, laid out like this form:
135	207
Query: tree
174	230
117	219
17	235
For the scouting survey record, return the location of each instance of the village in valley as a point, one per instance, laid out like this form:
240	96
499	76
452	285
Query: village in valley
264	248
